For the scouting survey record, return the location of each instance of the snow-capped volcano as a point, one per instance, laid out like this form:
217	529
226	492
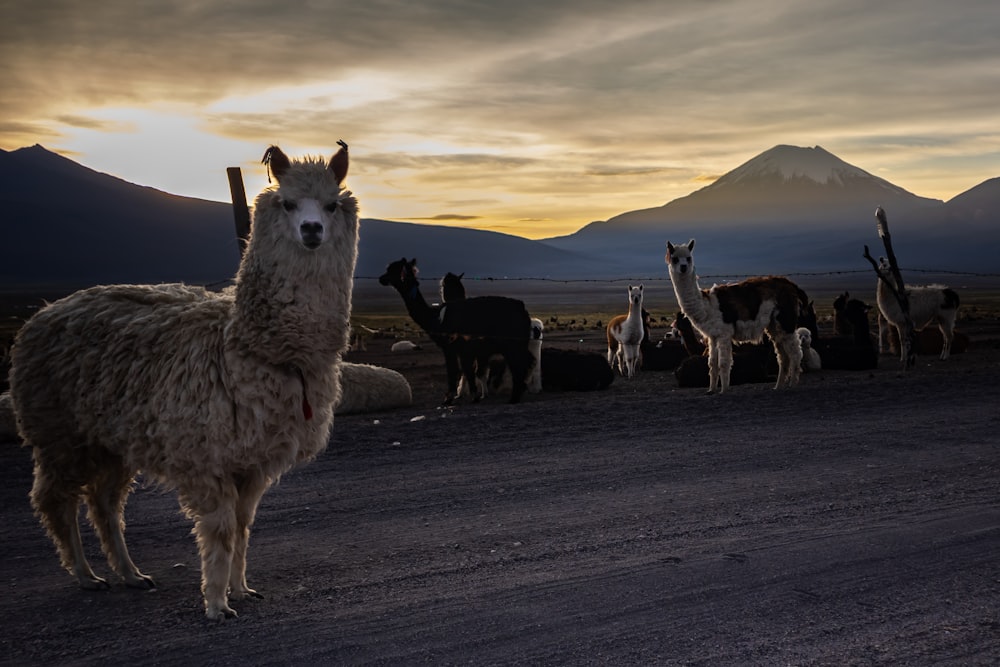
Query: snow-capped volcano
794	163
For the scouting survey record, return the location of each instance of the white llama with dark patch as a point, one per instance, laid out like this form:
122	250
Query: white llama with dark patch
214	395
625	334
742	312
929	304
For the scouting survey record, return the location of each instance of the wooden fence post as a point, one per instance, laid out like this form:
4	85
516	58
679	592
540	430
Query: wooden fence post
241	213
907	338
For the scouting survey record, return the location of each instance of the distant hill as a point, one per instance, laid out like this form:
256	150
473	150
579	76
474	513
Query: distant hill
787	210
63	223
795	209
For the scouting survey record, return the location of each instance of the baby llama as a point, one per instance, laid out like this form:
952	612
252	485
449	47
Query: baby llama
214	395
743	311
625	334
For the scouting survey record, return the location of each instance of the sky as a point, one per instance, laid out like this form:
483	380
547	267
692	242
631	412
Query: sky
527	117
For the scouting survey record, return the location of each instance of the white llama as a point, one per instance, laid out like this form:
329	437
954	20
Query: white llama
742	312
625	333
928	304
214	395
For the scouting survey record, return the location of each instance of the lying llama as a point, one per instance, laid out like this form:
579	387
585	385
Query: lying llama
664	355
213	395
743	311
368	388
928	304
751	361
625	334
468	330
574	370
854	351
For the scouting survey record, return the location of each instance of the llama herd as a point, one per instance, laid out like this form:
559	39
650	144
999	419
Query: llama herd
736	333
216	394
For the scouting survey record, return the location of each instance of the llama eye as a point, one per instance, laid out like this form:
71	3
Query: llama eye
289	205
331	207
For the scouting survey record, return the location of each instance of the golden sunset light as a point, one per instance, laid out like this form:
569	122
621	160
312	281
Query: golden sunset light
532	120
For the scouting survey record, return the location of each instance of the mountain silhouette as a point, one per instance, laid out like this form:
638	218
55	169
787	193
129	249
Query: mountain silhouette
65	224
795	209
787	210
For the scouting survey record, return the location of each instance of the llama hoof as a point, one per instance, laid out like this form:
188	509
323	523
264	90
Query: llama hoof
245	593
220	614
94	583
139	580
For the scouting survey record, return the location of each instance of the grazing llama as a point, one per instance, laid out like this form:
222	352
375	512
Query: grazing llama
625	334
743	311
214	395
928	304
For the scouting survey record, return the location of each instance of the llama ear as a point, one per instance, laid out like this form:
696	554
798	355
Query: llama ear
338	163
276	161
461	275
670	248
691	245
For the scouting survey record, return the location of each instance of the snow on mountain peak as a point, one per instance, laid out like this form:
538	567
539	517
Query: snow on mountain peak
793	162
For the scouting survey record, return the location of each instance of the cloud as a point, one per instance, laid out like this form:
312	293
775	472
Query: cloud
560	110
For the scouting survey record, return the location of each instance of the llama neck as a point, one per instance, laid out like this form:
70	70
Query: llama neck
690	297
281	315
634	313
422	313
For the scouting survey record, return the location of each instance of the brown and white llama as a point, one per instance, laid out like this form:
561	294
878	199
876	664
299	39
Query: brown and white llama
928	304
625	334
741	312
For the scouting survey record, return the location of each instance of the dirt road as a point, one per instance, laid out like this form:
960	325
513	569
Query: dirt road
853	520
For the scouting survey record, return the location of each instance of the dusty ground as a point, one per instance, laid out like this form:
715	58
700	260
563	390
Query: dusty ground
853	520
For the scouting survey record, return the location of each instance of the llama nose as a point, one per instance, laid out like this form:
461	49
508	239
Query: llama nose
312	234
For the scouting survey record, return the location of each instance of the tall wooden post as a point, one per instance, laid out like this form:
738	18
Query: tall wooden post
241	213
907	338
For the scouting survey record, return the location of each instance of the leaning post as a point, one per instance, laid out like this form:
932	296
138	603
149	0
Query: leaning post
896	286
241	212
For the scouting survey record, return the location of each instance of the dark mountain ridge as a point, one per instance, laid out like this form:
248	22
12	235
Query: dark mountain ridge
787	210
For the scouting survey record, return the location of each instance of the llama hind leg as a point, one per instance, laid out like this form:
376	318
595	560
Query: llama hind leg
251	490
56	501
519	361
106	496
788	351
947	327
725	366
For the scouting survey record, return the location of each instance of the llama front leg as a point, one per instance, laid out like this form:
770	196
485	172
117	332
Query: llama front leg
215	531
251	489
883	334
451	364
948	335
713	365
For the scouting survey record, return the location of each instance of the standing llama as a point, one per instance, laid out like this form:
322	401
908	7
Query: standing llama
468	330
928	304
743	311
213	395
625	334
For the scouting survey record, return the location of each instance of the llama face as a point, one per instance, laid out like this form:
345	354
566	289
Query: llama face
679	258
400	274
310	197
635	295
